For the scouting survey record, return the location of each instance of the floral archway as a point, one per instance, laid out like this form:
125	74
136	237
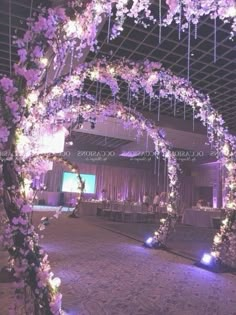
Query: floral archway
90	111
152	81
25	105
37	289
30	162
67	93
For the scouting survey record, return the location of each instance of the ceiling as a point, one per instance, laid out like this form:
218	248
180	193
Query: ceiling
109	142
217	79
13	15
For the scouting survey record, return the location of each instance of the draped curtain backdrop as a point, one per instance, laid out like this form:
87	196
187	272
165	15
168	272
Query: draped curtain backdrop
126	183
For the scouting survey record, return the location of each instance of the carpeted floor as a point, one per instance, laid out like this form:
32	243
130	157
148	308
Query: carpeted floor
188	241
106	273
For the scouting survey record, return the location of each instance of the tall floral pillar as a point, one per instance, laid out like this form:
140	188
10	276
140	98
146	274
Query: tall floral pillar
224	243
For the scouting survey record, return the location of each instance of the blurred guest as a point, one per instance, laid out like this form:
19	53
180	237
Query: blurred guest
104	194
163	196
156	202
200	203
146	200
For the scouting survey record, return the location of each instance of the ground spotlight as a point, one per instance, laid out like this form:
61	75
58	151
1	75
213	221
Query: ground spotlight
152	242
207	259
211	263
149	241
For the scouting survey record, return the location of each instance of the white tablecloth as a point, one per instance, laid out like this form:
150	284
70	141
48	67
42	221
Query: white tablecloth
200	218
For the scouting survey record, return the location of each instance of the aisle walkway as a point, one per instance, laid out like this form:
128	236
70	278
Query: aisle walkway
185	240
104	273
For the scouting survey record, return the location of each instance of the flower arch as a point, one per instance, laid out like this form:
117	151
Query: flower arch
152	80
29	261
32	160
132	118
68	31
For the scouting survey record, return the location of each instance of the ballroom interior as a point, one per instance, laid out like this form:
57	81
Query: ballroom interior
121	166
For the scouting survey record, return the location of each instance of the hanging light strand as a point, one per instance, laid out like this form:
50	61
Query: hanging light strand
160	22
164	176
97	96
71	59
193	119
10	37
189	48
174	106
180	19
147	142
215	26
109	24
159	107
158	170
155	164
167	181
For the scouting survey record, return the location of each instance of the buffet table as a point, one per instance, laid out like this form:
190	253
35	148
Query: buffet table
201	218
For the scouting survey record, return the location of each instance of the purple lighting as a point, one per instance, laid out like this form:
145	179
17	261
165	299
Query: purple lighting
206	259
149	241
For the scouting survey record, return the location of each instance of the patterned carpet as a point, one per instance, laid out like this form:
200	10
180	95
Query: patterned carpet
106	273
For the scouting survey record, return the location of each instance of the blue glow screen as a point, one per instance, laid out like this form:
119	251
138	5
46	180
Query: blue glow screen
70	182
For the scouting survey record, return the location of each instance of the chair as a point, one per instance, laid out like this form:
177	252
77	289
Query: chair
150	217
216	222
99	212
128	217
106	213
113	215
141	217
157	216
118	216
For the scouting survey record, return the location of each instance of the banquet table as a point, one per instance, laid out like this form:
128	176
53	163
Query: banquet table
200	218
126	207
89	208
49	198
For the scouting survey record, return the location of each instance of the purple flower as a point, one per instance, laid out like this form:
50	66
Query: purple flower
26	209
22	53
37	52
6	84
31	76
40	25
4	134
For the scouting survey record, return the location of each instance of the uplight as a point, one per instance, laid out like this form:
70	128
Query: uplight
206	259
149	241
